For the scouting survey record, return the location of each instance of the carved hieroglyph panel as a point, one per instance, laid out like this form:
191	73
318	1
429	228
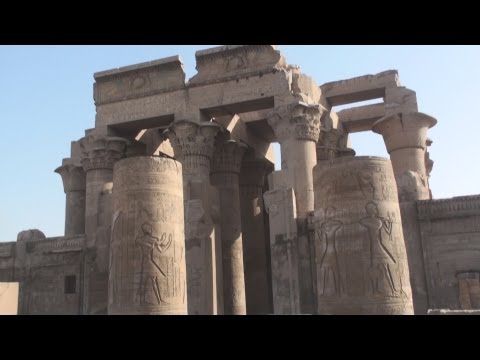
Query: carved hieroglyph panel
360	258
147	248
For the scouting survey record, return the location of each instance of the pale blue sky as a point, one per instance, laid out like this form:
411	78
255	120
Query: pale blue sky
46	102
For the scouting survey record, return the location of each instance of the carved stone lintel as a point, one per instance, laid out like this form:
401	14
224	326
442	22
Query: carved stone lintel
192	142
73	177
102	152
297	120
228	157
407	130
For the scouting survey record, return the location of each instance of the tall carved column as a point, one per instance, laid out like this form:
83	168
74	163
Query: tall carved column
255	241
73	178
226	164
147	253
297	128
193	145
405	136
99	154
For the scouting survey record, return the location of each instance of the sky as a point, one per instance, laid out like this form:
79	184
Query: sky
46	101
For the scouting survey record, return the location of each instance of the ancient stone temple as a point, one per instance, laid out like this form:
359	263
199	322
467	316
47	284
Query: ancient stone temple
173	205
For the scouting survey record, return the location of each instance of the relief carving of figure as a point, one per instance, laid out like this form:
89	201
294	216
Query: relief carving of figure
114	269
151	270
328	272
383	274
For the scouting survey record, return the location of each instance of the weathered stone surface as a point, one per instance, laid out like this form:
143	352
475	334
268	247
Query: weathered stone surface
138	80
249	95
450	234
30	235
360	258
360	88
405	136
225	169
361	118
74	185
281	208
256	243
193	144
8	298
234	61
147	271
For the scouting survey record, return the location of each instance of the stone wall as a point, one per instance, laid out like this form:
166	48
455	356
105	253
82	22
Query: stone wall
49	272
450	230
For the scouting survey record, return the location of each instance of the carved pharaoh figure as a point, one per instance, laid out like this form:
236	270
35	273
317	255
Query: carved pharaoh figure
383	275
328	271
151	269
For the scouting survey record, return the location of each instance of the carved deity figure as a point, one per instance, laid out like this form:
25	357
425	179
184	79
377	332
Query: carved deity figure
151	270
328	272
383	275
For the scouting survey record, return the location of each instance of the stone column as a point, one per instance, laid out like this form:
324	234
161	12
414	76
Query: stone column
99	154
360	258
193	145
73	178
297	128
255	241
281	208
147	274
226	164
405	137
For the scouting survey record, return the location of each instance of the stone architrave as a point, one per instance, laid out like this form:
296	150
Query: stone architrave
405	137
74	183
226	163
256	243
193	145
281	208
147	273
360	256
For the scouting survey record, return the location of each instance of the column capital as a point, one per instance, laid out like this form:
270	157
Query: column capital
73	177
102	152
297	120
408	130
192	142
227	157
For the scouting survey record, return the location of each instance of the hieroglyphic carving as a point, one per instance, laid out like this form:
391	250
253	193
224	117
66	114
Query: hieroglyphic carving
328	271
147	264
383	275
359	241
56	245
